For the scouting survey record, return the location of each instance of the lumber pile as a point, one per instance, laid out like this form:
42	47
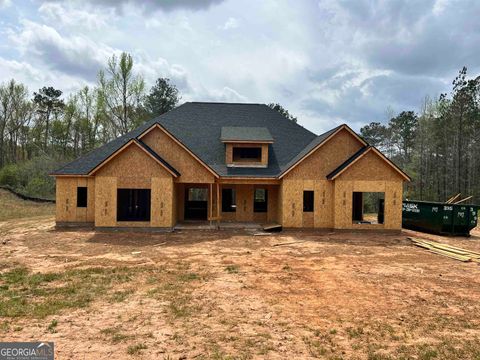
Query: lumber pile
455	199
450	251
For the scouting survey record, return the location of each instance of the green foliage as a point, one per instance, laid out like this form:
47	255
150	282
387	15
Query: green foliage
23	293
122	93
163	97
375	134
439	147
40	186
9	175
283	111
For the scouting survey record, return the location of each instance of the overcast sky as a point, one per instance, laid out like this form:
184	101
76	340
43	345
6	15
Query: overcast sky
327	62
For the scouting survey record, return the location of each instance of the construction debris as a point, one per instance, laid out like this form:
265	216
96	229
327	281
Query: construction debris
450	251
461	201
289	243
272	228
453	198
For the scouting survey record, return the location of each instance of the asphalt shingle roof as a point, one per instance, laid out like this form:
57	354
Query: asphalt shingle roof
198	126
243	133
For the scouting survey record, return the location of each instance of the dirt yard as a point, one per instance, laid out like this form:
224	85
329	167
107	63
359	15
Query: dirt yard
232	295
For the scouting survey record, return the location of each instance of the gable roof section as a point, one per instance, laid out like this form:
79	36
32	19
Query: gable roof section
357	156
157	125
143	147
315	144
197	127
245	134
157	157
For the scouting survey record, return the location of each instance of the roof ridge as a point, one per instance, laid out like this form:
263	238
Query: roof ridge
222	103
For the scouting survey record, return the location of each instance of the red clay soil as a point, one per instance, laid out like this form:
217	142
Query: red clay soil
230	294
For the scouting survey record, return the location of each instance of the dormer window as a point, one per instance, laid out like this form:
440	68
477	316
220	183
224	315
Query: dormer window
246	146
247	154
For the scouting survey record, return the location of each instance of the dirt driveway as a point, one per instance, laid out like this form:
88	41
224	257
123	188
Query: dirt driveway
232	295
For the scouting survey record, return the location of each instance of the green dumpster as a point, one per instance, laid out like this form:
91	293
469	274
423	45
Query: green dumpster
439	218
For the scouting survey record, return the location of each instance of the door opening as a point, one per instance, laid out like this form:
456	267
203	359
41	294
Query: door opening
368	207
133	205
196	203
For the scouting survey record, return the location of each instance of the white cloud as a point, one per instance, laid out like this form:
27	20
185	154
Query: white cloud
150	6
326	61
231	23
5	3
74	55
72	17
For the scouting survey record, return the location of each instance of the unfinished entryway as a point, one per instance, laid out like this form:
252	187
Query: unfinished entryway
196	203
133	204
368	207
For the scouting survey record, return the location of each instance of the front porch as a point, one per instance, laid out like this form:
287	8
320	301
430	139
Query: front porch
218	225
229	205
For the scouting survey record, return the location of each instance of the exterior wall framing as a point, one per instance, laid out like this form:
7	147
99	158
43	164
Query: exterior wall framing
133	168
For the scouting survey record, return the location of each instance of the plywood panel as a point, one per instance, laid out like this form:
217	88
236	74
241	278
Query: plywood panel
343	204
162	203
244	203
91	200
244	211
324	204
327	158
371	167
273	204
133	168
191	170
393	203
292	203
180	201
66	199
105	201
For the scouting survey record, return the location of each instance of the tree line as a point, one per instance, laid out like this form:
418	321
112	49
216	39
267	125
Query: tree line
40	131
438	146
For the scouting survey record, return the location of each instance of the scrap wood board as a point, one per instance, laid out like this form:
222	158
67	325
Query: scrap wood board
450	251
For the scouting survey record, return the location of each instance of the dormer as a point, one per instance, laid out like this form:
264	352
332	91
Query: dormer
246	146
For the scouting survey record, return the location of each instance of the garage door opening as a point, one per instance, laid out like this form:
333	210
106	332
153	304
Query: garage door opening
133	205
368	207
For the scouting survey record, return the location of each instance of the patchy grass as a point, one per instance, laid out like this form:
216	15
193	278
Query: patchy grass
52	327
175	289
39	295
232	269
115	335
136	349
120	296
16	208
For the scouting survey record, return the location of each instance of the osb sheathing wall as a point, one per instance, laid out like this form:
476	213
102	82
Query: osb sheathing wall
229	153
162	208
310	174
191	170
326	158
292	204
133	169
244	210
369	174
66	199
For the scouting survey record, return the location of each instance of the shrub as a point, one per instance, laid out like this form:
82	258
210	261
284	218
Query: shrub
9	175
